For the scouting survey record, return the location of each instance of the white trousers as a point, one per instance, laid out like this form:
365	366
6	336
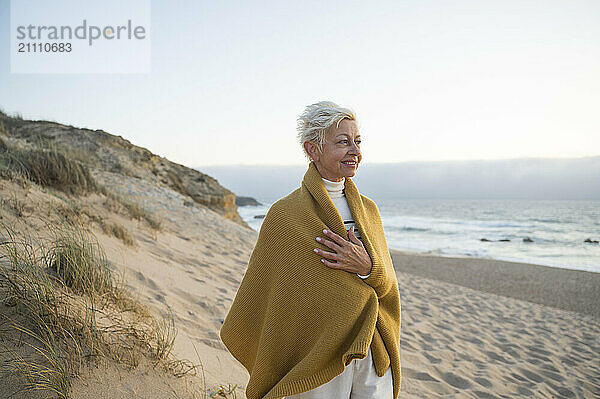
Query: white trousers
358	381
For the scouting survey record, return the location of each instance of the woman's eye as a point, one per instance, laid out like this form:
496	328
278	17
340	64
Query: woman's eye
346	142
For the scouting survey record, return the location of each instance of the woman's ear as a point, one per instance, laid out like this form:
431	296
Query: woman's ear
311	149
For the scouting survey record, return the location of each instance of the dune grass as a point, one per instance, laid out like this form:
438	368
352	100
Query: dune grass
79	261
118	231
67	309
52	168
15	203
49	168
115	202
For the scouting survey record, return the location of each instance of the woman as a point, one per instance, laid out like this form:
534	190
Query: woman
317	314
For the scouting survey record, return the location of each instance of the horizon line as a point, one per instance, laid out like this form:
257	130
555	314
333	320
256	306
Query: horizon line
419	161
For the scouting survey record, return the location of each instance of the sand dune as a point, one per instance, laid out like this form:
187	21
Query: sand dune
190	268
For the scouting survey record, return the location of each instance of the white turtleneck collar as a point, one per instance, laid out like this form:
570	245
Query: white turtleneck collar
334	188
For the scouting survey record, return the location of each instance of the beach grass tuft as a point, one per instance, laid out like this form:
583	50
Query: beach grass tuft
115	203
118	231
47	167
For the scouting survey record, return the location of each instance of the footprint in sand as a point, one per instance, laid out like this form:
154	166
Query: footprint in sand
530	375
495	356
148	281
456	381
417	375
160	298
483	382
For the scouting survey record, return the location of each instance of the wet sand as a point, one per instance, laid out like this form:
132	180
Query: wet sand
573	290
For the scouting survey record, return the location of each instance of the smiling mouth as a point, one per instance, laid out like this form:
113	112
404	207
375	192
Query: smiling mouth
350	163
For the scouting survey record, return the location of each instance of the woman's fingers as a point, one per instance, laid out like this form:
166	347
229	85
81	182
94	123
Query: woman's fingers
331	264
330	255
330	244
352	236
335	237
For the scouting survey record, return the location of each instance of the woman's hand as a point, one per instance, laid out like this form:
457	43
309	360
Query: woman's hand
349	255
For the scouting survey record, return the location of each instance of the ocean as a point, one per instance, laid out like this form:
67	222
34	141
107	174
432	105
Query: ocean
557	229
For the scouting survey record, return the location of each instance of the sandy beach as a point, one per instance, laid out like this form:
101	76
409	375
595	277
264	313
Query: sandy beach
478	328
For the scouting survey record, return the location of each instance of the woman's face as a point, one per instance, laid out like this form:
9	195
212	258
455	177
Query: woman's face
341	151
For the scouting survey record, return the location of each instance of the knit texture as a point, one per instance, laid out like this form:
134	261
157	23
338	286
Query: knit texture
295	323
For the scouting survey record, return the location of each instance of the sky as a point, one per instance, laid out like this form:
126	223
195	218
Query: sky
428	80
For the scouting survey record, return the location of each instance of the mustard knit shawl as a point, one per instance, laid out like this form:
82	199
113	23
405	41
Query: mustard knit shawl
296	323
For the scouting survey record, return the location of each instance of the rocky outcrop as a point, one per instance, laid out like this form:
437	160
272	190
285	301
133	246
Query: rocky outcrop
246	201
103	151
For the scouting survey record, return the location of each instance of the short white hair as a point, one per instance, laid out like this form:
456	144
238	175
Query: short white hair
317	119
